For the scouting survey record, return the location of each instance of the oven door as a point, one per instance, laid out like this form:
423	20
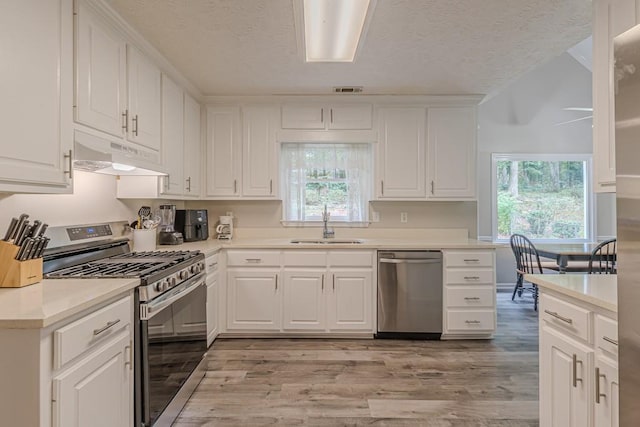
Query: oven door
173	342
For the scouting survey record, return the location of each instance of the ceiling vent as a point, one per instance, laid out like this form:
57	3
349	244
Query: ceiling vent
347	89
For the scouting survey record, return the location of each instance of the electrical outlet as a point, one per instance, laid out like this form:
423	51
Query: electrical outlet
229	213
403	217
375	216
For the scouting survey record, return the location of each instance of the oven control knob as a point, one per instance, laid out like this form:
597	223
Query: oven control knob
171	282
183	275
158	287
195	269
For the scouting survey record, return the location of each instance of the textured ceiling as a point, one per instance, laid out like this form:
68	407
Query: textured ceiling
239	47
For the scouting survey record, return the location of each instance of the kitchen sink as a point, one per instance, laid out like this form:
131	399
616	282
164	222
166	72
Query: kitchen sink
327	241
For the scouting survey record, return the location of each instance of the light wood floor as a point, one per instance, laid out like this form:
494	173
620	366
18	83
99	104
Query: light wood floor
320	382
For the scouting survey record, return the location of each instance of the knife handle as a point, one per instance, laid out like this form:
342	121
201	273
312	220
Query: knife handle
35	229
23	234
12	226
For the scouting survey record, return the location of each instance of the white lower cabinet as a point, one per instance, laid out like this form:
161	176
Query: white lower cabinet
304	300
254	300
213	296
578	364
350	300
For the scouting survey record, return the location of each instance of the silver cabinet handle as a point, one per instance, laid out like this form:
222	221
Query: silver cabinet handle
472	322
270	186
575	370
135	124
471	260
471	277
276	282
69	158
105	327
382	187
557	316
598	394
331	111
322	115
322	285
610	340
471	298
129	360
189	184
334	282
125	124
431	187
254	260
235	186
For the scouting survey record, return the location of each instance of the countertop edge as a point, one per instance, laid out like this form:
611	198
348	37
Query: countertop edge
540	281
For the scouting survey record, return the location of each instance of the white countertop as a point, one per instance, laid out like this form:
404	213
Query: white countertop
52	300
600	290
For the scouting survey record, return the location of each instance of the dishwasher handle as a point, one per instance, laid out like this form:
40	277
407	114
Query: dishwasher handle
410	261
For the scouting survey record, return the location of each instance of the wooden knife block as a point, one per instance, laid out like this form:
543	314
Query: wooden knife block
14	273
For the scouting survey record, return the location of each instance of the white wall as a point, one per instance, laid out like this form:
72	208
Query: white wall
522	118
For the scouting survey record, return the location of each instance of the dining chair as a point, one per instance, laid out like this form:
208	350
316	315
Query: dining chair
528	262
603	258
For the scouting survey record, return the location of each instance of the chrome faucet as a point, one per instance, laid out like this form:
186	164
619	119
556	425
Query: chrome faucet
327	232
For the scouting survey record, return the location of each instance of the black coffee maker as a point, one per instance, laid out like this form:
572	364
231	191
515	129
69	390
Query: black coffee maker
193	224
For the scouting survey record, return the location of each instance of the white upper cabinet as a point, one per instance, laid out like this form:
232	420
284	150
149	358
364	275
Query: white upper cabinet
320	117
36	83
451	138
192	147
100	75
144	96
172	136
224	156
610	18
401	153
259	149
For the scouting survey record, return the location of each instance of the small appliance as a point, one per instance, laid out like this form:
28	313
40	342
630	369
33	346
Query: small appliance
193	224
167	234
225	228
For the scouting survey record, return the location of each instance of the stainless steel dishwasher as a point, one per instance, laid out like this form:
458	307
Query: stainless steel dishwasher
409	294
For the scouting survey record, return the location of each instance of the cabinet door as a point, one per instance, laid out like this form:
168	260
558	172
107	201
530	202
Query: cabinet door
212	307
452	152
172	136
565	376
304	300
36	83
606	392
223	151
192	147
357	116
101	75
253	299
259	165
401	153
144	99
97	390
303	116
350	300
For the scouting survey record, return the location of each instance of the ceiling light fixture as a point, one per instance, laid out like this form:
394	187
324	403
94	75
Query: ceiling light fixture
333	29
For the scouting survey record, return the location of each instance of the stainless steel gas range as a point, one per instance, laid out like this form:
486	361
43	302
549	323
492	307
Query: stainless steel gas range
170	333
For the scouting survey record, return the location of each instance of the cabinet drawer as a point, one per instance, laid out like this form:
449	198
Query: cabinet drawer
471	321
351	258
211	263
305	258
469	259
257	258
79	336
607	334
570	318
468	276
470	296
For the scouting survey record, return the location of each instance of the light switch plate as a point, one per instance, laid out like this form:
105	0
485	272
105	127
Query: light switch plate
403	217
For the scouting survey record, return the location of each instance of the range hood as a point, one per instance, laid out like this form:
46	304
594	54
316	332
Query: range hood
93	153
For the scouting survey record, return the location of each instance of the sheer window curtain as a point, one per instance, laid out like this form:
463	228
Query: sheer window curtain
299	158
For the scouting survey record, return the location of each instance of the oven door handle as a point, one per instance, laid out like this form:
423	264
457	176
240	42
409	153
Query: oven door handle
149	310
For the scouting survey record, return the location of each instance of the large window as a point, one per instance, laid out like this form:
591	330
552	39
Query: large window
335	175
545	197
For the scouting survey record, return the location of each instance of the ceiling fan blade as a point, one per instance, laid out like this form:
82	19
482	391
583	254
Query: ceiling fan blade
578	109
574	120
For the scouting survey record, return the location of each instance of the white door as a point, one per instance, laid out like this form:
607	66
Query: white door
451	138
606	393
401	153
97	390
356	116
259	166
212	307
303	116
101	75
565	371
304	299
36	105
253	299
192	147
224	155
172	136
143	80
350	300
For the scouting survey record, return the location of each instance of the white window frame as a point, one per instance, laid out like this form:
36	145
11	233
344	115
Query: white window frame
590	212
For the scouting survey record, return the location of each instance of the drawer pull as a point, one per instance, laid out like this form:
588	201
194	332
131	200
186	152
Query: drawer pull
254	260
471	277
557	316
598	394
472	322
105	327
610	340
213	265
575	370
471	260
472	298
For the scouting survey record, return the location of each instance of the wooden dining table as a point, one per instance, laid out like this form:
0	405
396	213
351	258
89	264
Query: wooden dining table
563	253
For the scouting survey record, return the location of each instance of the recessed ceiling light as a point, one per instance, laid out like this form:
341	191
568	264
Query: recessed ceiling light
333	29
